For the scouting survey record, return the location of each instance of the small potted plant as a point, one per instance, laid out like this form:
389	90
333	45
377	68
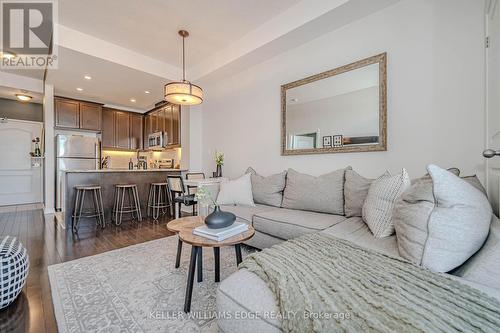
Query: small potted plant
219	161
218	218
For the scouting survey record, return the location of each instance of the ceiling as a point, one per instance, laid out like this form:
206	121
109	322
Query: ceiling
151	27
129	46
111	83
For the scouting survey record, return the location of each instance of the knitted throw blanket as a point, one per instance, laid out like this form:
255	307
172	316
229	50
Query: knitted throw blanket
324	284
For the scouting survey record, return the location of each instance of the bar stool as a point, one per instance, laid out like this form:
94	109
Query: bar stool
158	199
119	208
79	212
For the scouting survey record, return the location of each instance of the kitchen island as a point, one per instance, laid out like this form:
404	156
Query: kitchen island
107	179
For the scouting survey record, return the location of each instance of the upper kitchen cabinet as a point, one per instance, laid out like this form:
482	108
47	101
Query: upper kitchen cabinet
166	119
76	114
176	126
136	126
67	113
122	129
108	128
90	116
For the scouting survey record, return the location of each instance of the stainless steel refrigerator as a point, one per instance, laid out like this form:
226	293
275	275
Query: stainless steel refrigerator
74	152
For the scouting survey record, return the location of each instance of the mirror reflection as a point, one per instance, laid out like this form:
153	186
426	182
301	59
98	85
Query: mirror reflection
334	112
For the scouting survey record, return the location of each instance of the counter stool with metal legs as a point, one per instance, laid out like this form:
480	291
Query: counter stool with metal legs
158	200
129	193
94	192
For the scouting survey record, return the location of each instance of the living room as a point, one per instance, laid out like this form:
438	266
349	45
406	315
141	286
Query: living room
265	166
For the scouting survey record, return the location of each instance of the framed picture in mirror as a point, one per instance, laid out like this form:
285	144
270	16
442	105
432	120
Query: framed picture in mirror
327	141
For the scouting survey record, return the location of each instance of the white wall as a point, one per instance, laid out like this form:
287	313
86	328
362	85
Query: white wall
436	115
50	157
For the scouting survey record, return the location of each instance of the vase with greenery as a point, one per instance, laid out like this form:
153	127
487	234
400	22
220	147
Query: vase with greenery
218	218
219	161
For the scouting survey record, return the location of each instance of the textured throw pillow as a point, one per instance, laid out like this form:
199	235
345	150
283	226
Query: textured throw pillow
377	209
267	190
355	191
323	194
441	221
236	192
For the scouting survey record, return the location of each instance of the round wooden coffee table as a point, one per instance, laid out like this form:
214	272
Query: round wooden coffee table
184	228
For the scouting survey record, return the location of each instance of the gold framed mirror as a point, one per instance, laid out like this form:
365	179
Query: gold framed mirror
338	111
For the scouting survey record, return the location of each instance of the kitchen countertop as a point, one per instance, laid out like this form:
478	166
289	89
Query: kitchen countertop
124	170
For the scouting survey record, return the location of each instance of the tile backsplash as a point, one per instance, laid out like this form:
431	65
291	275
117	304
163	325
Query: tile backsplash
120	159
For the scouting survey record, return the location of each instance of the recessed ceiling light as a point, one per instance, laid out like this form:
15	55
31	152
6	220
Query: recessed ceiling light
146	91
133	100
87	77
7	55
23	97
79	89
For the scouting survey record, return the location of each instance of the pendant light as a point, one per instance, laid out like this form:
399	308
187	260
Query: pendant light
183	92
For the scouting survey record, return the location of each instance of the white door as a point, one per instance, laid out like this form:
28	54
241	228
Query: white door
493	102
20	175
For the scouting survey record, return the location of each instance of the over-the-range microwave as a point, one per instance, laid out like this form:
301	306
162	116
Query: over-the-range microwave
157	140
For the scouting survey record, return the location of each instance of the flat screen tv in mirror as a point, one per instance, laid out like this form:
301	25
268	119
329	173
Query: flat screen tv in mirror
341	110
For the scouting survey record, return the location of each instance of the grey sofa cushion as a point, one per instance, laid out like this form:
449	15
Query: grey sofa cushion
484	266
355	191
474	181
289	223
323	194
441	221
267	190
455	171
355	230
245	213
244	292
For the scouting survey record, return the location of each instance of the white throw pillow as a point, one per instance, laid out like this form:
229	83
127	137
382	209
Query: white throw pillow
236	192
379	203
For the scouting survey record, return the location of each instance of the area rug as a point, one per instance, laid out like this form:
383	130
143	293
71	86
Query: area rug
137	289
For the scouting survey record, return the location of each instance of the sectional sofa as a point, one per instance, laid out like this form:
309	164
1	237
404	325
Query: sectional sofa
290	204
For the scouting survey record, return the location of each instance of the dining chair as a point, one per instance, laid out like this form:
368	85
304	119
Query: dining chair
194	175
179	195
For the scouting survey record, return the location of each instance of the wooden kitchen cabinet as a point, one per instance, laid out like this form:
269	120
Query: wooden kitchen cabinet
136	135
176	126
67	113
90	116
108	128
167	128
165	118
148	128
122	130
70	113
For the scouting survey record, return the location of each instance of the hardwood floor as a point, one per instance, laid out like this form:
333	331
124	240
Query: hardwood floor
47	244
